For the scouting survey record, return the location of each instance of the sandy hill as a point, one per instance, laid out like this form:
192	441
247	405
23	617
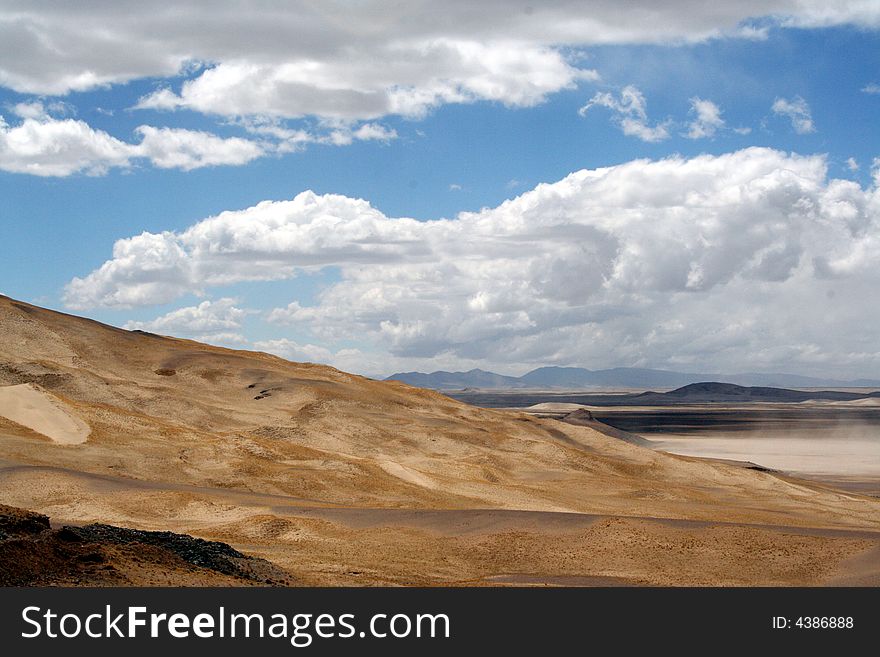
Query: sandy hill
342	479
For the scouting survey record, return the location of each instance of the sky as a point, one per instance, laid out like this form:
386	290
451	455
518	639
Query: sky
386	186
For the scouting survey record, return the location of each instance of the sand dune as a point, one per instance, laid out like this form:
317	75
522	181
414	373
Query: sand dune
554	407
32	407
310	467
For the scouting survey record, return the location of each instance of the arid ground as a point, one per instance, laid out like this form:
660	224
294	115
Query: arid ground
337	479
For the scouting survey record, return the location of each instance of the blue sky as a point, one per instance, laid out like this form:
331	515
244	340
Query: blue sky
480	112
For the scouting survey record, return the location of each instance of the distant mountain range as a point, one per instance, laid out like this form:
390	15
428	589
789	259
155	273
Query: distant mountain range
694	393
578	378
729	392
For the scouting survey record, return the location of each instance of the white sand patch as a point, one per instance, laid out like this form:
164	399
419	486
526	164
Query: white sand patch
555	407
409	475
870	401
32	407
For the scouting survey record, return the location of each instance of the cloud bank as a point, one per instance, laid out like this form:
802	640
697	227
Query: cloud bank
342	66
356	60
749	257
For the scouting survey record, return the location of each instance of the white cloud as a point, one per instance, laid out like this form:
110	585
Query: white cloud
213	322
852	164
752	257
411	81
631	114
172	148
807	13
45	146
871	88
32	110
753	32
797	111
707	120
228	339
344	134
357	60
207	317
374	131
454	187
292	350
369	363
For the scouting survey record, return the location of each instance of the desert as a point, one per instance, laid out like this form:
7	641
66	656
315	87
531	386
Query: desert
336	479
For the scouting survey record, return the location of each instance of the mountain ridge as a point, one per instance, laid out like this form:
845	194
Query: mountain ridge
621	377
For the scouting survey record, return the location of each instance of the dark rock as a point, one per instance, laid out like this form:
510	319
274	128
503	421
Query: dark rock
196	551
580	414
16	522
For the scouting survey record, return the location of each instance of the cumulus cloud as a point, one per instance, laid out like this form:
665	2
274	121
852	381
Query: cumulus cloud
207	317
750	257
172	148
214	322
852	164
307	232
45	146
356	60
292	350
631	114
42	146
410	83
707	119
797	111
871	88
369	363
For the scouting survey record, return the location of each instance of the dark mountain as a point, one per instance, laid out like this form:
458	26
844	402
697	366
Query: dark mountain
728	392
573	378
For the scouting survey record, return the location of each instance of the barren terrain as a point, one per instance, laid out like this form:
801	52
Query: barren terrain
339	479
